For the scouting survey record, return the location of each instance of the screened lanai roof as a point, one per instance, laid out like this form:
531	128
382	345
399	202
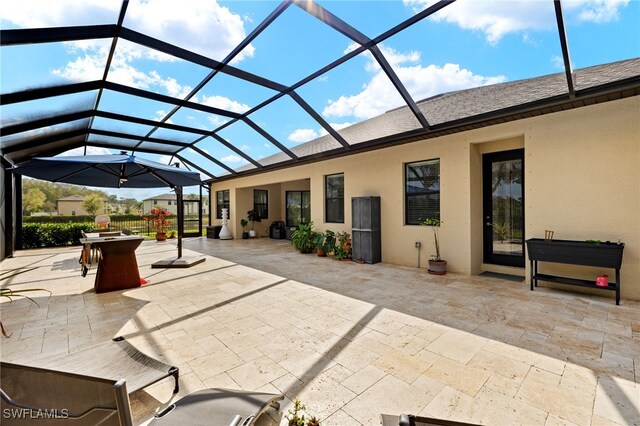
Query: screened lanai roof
229	88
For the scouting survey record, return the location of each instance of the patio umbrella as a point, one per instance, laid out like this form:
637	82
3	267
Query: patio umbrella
108	171
114	171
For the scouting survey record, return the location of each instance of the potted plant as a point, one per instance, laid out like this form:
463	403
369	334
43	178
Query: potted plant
296	418
253	217
342	250
437	266
245	234
318	243
303	237
157	220
329	245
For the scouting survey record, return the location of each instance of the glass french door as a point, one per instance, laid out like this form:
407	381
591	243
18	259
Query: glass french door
503	207
191	218
298	207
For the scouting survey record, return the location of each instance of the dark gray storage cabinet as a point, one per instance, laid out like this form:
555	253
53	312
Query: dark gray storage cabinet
366	243
213	231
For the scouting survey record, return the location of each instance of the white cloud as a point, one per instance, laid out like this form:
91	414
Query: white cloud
497	18
599	11
160	114
216	120
306	135
90	66
225	103
379	95
557	61
44	13
199	25
303	135
233	159
203	26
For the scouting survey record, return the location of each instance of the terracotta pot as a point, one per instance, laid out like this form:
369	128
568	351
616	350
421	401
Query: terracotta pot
437	267
321	253
161	236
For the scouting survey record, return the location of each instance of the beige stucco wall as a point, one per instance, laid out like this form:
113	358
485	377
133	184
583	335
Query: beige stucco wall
66	207
147	205
582	181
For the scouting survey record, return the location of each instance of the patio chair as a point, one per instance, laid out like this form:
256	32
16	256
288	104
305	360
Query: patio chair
411	420
116	359
37	395
102	222
88	256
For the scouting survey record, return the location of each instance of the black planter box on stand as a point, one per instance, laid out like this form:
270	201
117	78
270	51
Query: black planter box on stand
586	253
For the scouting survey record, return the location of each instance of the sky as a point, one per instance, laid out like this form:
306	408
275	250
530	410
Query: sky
467	44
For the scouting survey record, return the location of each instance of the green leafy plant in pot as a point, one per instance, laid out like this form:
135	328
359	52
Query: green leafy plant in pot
318	243
329	244
437	265
253	216
303	237
245	234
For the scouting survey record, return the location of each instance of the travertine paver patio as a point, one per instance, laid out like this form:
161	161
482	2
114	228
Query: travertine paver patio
351	341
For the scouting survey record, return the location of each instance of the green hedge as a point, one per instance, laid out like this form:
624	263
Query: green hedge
77	219
36	235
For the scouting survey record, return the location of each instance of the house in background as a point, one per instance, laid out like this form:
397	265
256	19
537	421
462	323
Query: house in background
165	201
169	202
72	206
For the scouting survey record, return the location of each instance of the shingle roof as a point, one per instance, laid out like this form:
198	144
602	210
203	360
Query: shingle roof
161	197
72	198
464	104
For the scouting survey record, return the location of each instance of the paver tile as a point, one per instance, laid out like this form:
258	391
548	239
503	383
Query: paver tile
351	342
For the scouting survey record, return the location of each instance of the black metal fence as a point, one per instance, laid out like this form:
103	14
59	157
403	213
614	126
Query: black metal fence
133	223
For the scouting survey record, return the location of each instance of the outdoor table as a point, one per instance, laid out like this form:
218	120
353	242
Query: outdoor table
109	234
118	267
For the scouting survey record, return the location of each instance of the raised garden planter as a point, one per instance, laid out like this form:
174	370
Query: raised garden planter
586	253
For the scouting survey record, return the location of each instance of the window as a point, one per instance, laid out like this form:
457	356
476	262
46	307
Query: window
222	202
155	202
73	212
170	203
422	191
298	207
334	198
261	202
